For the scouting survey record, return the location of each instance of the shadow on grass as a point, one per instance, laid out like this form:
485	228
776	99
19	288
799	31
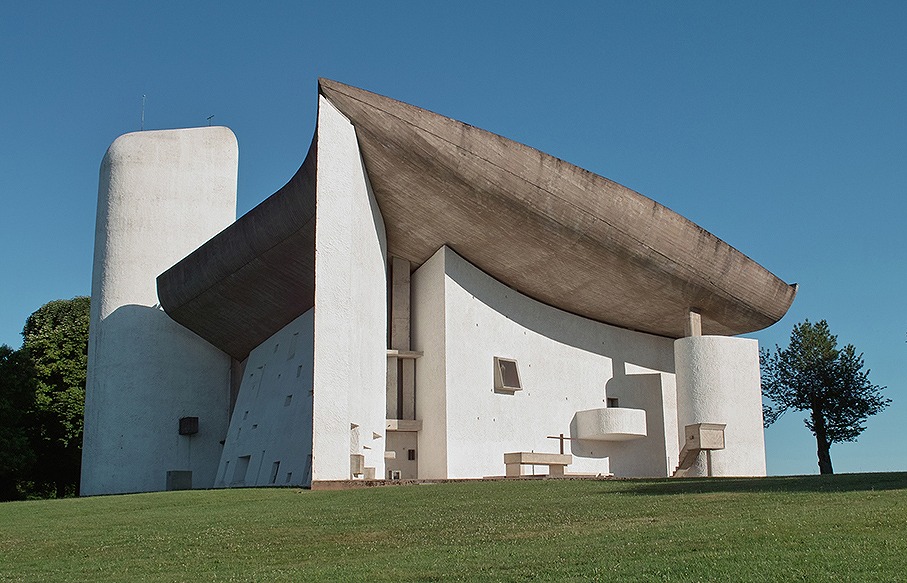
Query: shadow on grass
833	483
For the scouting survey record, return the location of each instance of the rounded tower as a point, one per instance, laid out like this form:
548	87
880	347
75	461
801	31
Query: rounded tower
161	194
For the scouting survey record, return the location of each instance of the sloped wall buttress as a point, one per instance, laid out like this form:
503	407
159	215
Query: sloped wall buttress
270	438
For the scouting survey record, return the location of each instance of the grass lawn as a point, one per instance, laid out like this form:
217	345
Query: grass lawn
843	528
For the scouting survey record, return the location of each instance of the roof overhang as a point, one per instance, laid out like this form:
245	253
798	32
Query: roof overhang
551	230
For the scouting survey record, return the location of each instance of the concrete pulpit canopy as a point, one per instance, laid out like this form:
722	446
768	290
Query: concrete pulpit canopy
548	229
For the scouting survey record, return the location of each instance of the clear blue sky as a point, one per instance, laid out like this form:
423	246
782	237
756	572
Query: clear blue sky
779	126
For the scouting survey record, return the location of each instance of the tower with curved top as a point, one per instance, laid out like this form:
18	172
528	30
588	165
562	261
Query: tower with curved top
423	299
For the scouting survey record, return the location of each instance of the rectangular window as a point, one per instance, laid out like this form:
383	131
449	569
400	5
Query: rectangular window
274	469
288	400
411	455
613	402
506	376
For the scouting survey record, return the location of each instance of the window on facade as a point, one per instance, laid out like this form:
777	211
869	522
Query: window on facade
506	376
612	402
411	455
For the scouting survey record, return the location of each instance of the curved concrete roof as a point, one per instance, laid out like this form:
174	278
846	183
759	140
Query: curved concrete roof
553	231
255	276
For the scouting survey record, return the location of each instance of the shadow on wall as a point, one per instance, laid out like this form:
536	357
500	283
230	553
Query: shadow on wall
618	344
147	372
834	483
642	352
634	457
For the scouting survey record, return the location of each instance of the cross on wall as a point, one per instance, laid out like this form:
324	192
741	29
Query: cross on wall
561	439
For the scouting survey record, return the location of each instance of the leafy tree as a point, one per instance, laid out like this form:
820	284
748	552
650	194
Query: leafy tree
812	374
56	342
17	395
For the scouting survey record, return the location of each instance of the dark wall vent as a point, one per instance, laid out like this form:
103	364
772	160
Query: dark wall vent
188	425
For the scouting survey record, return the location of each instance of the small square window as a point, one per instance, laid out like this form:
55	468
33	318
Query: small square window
613	402
506	376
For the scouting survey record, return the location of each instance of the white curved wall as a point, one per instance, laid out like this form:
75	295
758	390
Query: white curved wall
611	424
718	382
463	318
161	195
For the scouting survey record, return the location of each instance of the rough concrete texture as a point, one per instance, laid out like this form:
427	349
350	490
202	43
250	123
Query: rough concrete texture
555	232
517	255
462	319
718	382
161	195
256	276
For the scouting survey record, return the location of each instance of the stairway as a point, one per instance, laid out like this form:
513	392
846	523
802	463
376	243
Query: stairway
688	457
698	437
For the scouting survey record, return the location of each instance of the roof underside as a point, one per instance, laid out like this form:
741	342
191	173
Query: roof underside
553	231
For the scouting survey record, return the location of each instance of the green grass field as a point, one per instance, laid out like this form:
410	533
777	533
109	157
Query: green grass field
841	528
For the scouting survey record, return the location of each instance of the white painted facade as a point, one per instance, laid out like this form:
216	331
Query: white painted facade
312	404
718	381
350	307
270	437
462	319
161	195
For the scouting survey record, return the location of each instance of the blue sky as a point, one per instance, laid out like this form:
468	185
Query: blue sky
779	126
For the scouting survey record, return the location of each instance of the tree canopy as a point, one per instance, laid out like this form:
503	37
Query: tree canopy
812	374
17	397
55	339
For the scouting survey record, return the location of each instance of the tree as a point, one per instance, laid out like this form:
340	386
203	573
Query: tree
17	395
56	342
812	374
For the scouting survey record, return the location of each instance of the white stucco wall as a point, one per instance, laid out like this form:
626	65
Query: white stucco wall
161	195
566	364
718	382
350	306
427	324
272	419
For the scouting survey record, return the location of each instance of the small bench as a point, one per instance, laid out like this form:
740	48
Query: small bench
556	462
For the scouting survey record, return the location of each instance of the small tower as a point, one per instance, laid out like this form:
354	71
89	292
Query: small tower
161	194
